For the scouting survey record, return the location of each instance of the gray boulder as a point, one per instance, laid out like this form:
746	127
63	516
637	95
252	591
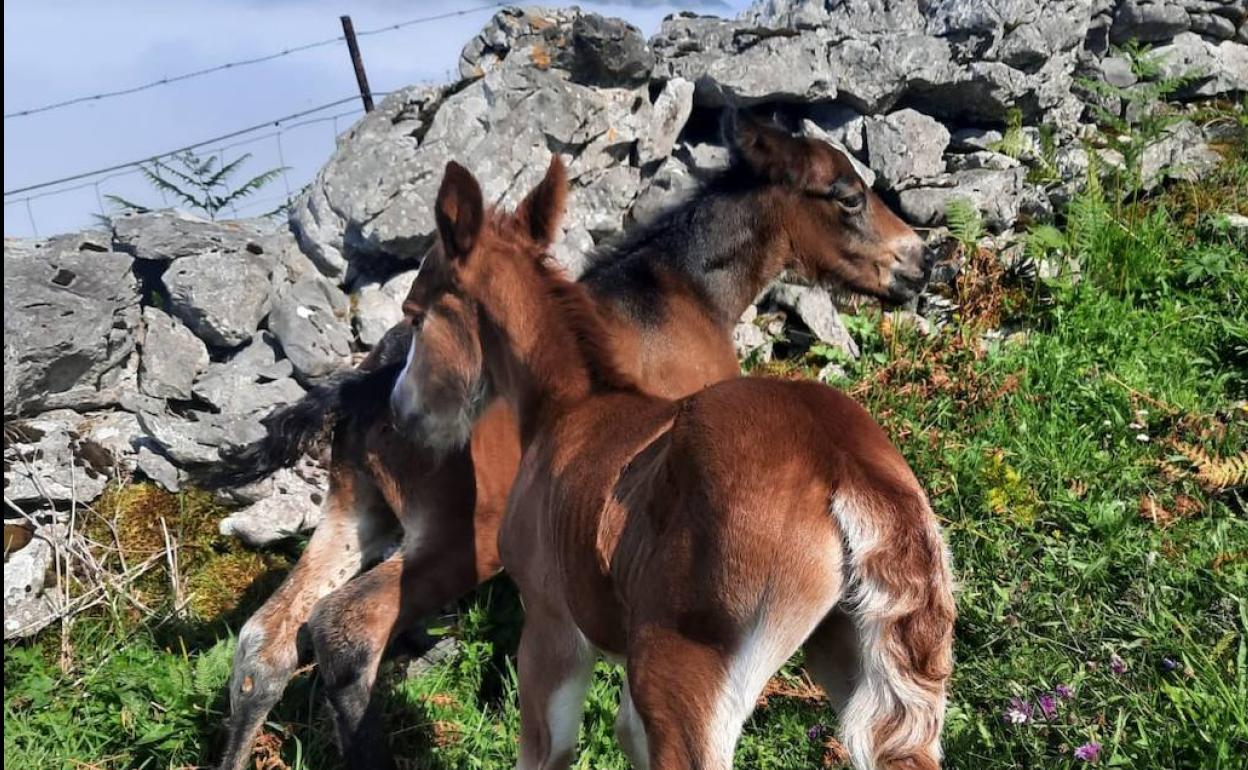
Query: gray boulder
221	296
163	236
1117	71
956	58
541	31
703	159
1181	154
44	464
31	600
981	159
740	64
238	389
905	146
171	356
252	382
375	196
1211	26
377	307
157	468
842	124
809	129
609	52
374	163
199	439
754	336
815	308
973	139
71	317
106	441
670	113
311	321
282	506
1214	68
996	193
1148	21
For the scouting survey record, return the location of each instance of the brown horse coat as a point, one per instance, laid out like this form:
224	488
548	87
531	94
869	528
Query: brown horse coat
669	293
677	535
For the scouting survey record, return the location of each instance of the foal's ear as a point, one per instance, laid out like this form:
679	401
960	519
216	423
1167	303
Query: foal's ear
768	150
542	209
459	211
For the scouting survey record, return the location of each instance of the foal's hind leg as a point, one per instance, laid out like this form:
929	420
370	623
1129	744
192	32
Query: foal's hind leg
832	657
269	648
685	701
555	664
630	732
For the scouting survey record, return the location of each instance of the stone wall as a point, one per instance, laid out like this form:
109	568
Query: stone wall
137	350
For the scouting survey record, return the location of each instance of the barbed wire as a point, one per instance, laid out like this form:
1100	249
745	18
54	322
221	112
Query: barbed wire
195	146
245	62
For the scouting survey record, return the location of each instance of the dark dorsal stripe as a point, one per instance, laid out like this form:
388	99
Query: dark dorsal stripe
703	240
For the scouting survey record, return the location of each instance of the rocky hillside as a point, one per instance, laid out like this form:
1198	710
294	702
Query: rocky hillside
132	351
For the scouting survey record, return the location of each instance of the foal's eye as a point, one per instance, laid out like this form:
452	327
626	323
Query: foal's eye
853	204
415	315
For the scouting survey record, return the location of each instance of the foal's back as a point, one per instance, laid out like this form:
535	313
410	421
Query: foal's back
748	469
705	539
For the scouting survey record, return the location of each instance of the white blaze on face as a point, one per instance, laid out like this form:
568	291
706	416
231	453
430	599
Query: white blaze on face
440	431
405	396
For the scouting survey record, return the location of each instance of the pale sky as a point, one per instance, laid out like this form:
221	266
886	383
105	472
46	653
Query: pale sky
62	49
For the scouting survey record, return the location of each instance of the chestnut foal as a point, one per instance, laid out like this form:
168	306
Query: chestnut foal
700	540
670	293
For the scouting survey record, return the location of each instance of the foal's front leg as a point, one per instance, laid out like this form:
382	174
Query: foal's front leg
269	646
556	664
352	628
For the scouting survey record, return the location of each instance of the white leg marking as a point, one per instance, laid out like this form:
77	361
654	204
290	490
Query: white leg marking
630	732
566	704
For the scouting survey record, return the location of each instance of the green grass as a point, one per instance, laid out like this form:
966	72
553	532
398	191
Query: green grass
1039	452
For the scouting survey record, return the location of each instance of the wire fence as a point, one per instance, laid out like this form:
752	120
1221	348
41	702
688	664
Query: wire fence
264	141
311	132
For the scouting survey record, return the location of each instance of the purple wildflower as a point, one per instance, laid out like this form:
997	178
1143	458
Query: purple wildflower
1089	752
1064	692
816	732
1019	712
1048	706
1117	665
1169	664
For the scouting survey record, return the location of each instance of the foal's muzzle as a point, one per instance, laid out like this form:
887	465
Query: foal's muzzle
914	268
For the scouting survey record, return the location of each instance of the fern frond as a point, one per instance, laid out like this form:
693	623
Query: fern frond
226	171
1043	240
965	223
249	187
161	169
124	204
160	183
1215	473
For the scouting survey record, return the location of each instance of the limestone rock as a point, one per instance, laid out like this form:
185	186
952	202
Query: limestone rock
71	315
171	357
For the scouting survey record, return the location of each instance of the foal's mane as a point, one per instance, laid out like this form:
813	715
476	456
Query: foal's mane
578	312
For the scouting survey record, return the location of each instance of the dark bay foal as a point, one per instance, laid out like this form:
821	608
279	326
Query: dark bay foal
701	540
670	293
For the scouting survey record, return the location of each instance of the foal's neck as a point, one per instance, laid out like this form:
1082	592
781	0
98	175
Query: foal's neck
723	247
547	345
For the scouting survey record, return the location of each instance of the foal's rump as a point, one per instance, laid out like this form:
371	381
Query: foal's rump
788	502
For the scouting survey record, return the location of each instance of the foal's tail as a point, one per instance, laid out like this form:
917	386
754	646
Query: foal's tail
293	430
901	600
